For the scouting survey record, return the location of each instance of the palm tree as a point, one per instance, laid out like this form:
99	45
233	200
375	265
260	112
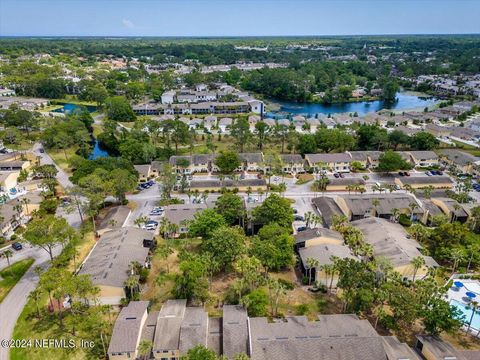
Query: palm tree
474	305
144	349
132	283
456	255
7	254
417	262
25	201
395	214
308	218
375	203
412	206
311	263
140	221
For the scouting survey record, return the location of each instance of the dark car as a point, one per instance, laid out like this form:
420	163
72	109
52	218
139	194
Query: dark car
41	150
341	175
295	211
301	228
337	175
407	173
439	172
401	173
17	246
299	218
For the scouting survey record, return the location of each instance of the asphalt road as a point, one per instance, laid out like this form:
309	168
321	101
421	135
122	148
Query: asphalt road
13	304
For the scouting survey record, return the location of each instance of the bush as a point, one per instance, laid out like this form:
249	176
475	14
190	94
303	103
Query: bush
301	309
305	280
258	302
287	284
405	220
2	240
13	237
49	206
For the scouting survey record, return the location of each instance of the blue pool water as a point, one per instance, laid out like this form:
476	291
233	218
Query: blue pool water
68	108
404	101
468	314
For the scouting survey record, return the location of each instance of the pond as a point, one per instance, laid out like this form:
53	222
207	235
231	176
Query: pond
97	151
69	107
404	101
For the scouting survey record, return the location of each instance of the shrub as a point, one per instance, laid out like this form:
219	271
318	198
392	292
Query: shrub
288	285
405	220
301	309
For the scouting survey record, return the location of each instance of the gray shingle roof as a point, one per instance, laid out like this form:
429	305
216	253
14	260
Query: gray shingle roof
127	327
194	329
108	262
390	240
359	205
235	331
328	158
323	253
251	157
419	180
178	213
328	208
170	317
426	155
308	234
458	157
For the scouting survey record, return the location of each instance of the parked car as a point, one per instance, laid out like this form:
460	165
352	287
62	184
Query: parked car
299	218
337	175
301	228
295	211
428	173
406	173
439	172
17	246
401	173
341	175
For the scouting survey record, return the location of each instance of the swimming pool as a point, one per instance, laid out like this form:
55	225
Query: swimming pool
467	311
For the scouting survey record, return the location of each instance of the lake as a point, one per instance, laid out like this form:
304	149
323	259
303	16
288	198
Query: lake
68	108
404	101
97	151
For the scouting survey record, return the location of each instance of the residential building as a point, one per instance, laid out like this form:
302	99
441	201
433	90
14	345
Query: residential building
11	217
127	331
251	162
108	262
293	164
224	124
144	172
463	162
356	207
182	213
317	236
327	208
421	182
424	158
197	163
432	347
178	328
390	240
345	184
242	185
338	162
452	209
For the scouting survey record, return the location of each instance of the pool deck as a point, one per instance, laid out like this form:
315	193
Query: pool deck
459	294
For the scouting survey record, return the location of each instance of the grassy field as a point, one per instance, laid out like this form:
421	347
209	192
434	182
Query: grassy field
11	275
60	159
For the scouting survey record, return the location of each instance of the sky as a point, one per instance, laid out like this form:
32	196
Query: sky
236	17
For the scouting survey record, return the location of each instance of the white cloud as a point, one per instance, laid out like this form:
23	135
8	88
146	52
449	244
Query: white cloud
128	23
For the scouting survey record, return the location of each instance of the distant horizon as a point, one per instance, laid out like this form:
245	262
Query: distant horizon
226	36
237	18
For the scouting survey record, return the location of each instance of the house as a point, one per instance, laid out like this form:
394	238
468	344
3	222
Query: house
356	207
323	255
251	162
224	124
187	165
7	92
113	219
452	209
437	130
368	159
317	236
313	123
338	162
195	124
424	158
14	165
292	164
463	162
126	334
256	106
327	208
391	241
168	97
181	214
108	262
178	328
329	123
210	122
253	120
144	172
11	217
421	182
432	347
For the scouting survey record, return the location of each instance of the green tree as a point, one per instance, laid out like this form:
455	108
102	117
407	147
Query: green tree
225	245
231	207
261	131
205	223
227	161
256	303
118	109
199	352
423	141
392	161
274	209
240	131
273	247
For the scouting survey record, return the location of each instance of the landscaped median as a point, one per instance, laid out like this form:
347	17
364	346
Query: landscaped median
11	275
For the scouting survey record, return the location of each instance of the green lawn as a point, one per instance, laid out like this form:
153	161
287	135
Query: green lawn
11	275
